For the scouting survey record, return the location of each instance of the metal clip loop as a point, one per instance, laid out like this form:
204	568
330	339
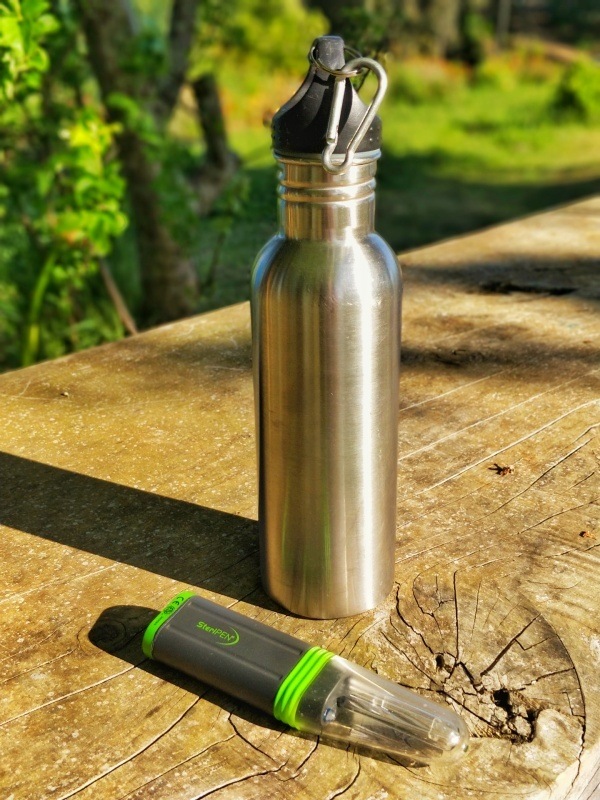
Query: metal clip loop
341	73
350	69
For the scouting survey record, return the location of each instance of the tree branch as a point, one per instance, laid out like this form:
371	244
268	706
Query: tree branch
212	122
181	36
117	298
169	279
221	163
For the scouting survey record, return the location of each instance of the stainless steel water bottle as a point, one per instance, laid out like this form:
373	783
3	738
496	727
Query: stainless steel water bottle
326	295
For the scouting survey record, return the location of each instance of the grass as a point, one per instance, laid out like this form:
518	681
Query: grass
470	157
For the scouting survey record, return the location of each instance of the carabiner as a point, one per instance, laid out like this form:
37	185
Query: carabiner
349	69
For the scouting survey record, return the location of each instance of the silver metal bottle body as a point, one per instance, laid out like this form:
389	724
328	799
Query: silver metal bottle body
326	298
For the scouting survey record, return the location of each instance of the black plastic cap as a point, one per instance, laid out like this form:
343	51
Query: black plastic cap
300	125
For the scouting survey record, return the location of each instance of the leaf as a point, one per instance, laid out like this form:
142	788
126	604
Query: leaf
122	102
11	35
120	223
44	180
39	60
82	186
45	25
11	7
34	8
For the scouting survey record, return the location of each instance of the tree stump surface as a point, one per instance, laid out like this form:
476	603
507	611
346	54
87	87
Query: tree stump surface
127	473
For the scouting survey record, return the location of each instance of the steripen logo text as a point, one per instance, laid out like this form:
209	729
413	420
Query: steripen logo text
226	638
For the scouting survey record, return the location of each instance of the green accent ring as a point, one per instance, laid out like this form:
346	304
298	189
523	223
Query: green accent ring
159	621
296	682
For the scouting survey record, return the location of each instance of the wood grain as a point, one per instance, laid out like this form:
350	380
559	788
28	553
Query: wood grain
128	472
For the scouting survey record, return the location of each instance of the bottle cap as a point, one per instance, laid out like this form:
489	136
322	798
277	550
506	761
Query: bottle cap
301	125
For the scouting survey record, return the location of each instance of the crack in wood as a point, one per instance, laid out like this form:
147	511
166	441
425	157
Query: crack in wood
62	698
430	613
352	782
484	420
521	716
583	480
304	761
236	782
403	653
498	701
411	628
507	647
230	566
583	728
450	391
558	514
456	614
476	610
37	643
250	744
510	445
35	667
439	506
569	551
139	752
531	485
80	576
473	791
374	624
591	428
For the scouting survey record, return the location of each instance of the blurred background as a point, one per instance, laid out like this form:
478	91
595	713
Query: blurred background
136	179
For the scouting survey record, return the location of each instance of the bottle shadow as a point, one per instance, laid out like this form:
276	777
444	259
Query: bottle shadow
189	543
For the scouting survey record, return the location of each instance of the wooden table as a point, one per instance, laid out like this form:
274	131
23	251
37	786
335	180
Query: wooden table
127	473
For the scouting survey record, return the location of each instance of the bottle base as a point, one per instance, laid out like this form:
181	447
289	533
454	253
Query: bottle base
324	607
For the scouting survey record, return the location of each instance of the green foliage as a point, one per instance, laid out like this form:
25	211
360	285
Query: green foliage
230	208
62	195
477	37
147	56
495	72
61	192
527	62
79	192
418	81
577	95
10	321
274	34
75	212
23	26
135	118
174	163
179	204
366	30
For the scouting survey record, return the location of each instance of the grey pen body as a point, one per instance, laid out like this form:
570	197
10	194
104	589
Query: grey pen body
229	651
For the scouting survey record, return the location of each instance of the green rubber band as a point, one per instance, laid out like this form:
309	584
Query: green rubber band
296	682
159	621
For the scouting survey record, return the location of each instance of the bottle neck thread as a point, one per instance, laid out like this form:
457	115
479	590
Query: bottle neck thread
317	205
